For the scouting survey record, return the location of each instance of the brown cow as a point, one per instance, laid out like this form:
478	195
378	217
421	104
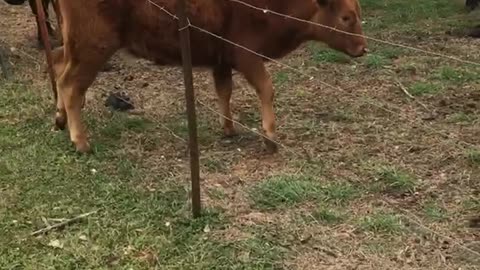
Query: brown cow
93	30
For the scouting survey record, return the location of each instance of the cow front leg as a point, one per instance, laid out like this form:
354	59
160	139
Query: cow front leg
76	78
223	86
256	74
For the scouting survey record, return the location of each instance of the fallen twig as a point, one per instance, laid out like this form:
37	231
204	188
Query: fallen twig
62	224
402	87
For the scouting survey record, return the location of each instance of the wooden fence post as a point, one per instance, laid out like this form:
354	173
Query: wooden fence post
46	44
190	100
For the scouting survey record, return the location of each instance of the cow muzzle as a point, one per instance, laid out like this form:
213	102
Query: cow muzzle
358	51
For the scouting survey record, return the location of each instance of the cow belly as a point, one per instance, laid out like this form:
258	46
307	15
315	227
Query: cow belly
163	46
169	53
154	35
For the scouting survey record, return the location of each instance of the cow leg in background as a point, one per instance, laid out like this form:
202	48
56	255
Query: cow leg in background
223	85
50	30
56	7
58	68
254	70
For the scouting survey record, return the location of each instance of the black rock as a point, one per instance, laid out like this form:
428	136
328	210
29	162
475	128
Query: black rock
119	101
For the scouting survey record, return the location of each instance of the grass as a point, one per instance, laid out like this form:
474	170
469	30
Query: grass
424	88
473	156
213	164
312	207
382	223
375	61
280	78
456	75
284	190
41	179
287	190
395	181
461	117
435	212
339	193
406	16
328	216
321	55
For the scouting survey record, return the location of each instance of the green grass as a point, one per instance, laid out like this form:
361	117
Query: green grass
473	156
289	190
375	61
382	223
461	117
471	204
339	193
328	216
456	75
321	55
284	190
213	164
260	211
207	134
390	52
434	212
424	88
136	227
404	15
395	181
281	78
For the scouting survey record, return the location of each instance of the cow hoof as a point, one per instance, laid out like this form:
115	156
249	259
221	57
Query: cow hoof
53	44
229	133
271	147
83	147
60	122
107	67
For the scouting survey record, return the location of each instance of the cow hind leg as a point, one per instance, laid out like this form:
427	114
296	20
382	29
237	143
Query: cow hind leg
223	85
58	68
256	74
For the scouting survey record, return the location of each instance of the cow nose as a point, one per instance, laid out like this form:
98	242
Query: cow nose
360	51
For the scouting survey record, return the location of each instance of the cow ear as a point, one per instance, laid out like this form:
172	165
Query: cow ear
324	2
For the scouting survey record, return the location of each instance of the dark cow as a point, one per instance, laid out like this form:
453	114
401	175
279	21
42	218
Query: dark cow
475	31
93	30
472	4
33	6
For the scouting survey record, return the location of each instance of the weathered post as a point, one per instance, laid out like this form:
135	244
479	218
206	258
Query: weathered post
46	44
184	30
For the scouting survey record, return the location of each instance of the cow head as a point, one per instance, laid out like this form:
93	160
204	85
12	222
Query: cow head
15	2
343	15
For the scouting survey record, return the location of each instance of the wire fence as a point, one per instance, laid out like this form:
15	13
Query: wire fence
411	217
385	106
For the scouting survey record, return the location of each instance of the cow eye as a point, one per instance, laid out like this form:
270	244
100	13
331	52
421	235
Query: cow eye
346	19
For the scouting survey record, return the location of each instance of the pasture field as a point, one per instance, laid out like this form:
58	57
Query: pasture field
371	178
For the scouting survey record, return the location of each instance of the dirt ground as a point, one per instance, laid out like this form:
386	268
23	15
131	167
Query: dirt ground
381	171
